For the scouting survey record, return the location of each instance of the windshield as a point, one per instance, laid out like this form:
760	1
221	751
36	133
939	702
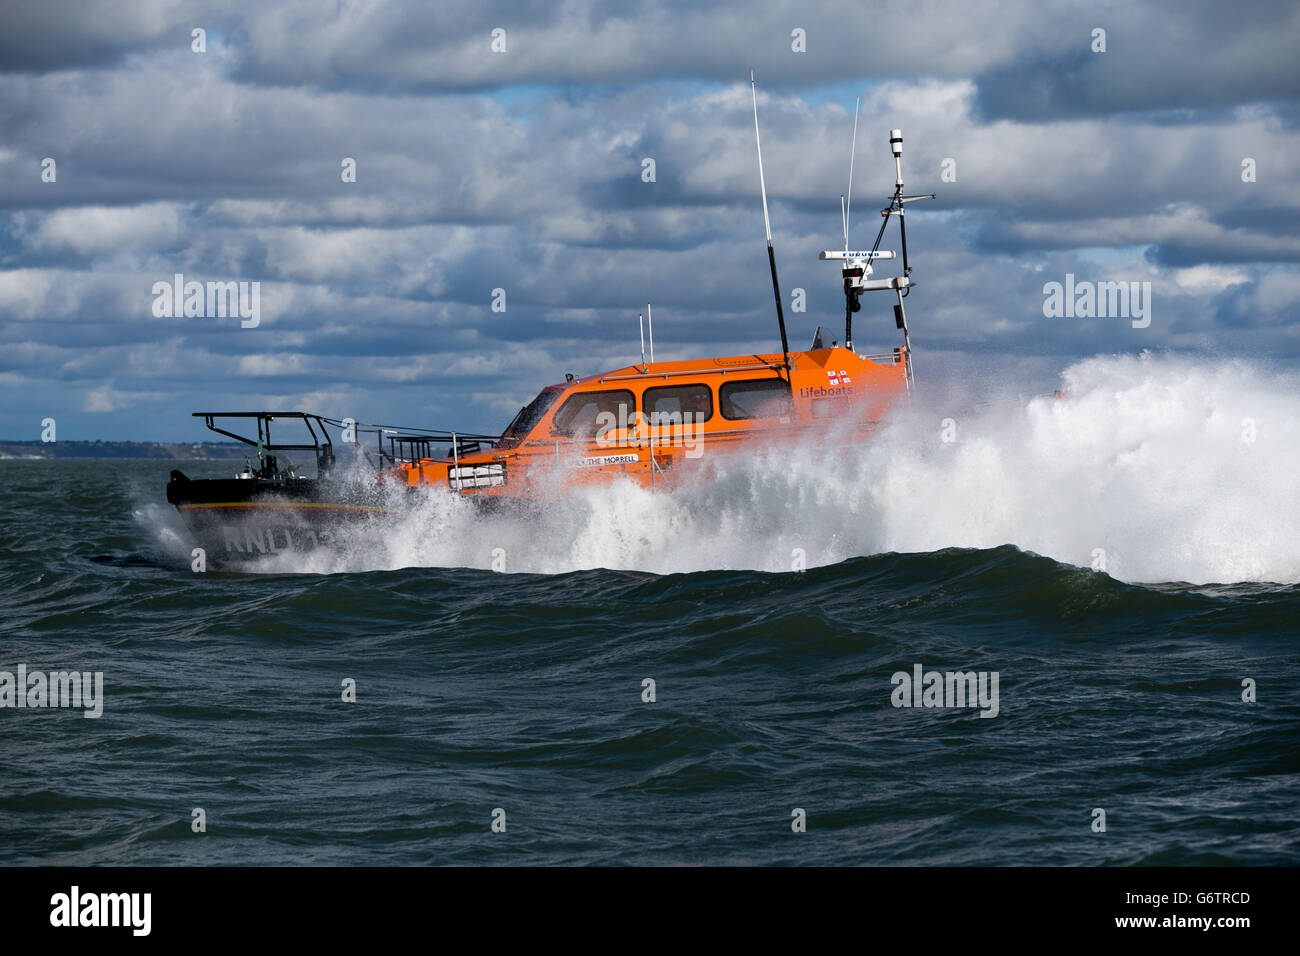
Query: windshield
531	414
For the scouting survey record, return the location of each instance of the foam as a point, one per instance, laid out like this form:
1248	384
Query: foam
1146	459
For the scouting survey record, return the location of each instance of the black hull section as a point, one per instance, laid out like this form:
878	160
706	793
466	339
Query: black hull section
236	520
183	491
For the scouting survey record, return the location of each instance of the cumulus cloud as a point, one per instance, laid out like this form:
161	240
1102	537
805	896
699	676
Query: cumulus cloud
522	171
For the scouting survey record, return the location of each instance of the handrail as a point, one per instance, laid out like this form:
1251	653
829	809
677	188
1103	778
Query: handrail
874	356
697	371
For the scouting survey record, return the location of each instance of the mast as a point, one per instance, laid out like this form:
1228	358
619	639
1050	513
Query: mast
767	225
851	303
898	207
857	263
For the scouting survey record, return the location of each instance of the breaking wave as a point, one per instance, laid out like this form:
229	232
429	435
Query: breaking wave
1152	468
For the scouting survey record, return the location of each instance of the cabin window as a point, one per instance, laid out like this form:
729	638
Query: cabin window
577	417
531	414
757	398
677	404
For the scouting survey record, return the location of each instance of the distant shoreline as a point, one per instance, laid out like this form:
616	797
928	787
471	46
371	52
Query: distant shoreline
125	450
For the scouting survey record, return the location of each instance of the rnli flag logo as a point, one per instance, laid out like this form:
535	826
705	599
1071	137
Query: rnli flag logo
838	378
834	379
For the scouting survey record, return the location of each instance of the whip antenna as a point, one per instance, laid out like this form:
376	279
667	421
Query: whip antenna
853	150
640	319
767	225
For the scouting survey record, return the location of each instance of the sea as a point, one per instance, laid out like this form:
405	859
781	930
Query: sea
1034	630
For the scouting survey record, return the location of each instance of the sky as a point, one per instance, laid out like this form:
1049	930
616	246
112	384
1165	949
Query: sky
503	146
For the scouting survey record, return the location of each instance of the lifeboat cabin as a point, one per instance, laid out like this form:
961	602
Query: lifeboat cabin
657	421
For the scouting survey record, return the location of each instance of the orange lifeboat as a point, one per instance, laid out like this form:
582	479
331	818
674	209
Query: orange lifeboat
655	422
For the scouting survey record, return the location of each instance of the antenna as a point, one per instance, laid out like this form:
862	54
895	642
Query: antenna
857	263
650	321
640	319
848	209
767	225
896	144
898	207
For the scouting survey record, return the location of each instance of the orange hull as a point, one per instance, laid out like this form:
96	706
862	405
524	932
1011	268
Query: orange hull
655	423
